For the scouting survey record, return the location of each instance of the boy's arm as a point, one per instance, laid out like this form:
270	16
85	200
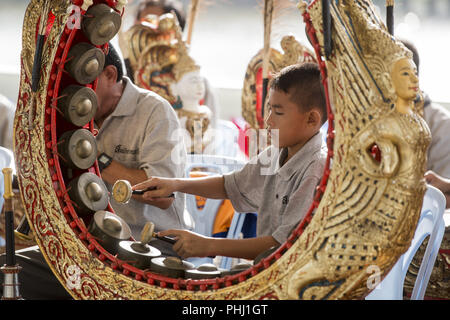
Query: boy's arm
190	244
116	171
208	187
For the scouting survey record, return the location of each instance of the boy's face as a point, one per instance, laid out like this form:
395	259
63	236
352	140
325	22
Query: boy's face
295	127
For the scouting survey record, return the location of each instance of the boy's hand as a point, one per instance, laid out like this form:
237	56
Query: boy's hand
164	187
189	244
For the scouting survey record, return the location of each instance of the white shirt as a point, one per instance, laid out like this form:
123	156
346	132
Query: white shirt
143	133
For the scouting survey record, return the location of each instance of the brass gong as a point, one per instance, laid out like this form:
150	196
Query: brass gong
85	62
89	193
78	104
137	253
78	148
172	267
101	23
109	229
204	271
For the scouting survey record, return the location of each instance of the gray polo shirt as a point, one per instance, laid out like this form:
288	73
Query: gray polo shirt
143	132
280	195
438	119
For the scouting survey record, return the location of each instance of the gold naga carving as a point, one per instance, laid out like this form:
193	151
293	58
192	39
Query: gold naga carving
152	47
368	209
293	52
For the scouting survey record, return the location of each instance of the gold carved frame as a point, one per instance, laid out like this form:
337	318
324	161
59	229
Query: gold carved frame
326	257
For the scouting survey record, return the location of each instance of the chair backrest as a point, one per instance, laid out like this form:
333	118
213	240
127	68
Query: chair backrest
212	164
324	130
233	233
436	206
226	139
204	217
431	223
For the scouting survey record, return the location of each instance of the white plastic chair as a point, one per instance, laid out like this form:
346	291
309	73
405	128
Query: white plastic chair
233	233
431	223
226	139
324	131
204	219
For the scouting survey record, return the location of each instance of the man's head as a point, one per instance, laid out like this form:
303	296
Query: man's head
113	59
297	106
109	82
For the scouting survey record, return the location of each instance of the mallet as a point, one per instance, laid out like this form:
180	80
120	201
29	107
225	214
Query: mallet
122	191
148	232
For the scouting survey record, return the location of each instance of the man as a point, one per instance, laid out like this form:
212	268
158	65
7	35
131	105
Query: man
135	131
139	136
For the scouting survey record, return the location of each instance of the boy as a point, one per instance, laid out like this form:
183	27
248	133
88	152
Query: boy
297	109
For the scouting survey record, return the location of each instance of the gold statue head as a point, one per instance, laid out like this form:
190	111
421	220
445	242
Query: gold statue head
185	64
405	80
391	63
148	41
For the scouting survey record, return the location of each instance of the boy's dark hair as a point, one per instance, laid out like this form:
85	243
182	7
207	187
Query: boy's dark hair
167	6
113	58
303	83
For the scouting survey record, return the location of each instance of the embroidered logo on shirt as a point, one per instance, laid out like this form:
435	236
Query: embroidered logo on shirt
121	149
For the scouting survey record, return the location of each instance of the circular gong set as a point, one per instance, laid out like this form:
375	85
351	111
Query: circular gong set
62	190
113	233
64	147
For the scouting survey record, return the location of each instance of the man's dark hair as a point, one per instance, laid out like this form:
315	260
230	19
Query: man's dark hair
113	58
303	83
408	44
167	6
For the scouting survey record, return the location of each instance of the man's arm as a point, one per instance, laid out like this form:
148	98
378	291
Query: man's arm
116	171
190	244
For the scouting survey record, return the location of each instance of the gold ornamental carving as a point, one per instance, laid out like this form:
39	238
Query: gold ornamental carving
366	216
293	52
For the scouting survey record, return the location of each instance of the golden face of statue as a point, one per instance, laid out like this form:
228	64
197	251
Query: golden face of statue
405	80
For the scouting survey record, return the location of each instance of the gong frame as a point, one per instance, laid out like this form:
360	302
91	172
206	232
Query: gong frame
62	234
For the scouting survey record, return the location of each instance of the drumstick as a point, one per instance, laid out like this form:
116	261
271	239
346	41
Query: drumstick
149	232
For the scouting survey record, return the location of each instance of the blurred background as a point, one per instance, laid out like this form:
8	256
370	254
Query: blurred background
228	33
